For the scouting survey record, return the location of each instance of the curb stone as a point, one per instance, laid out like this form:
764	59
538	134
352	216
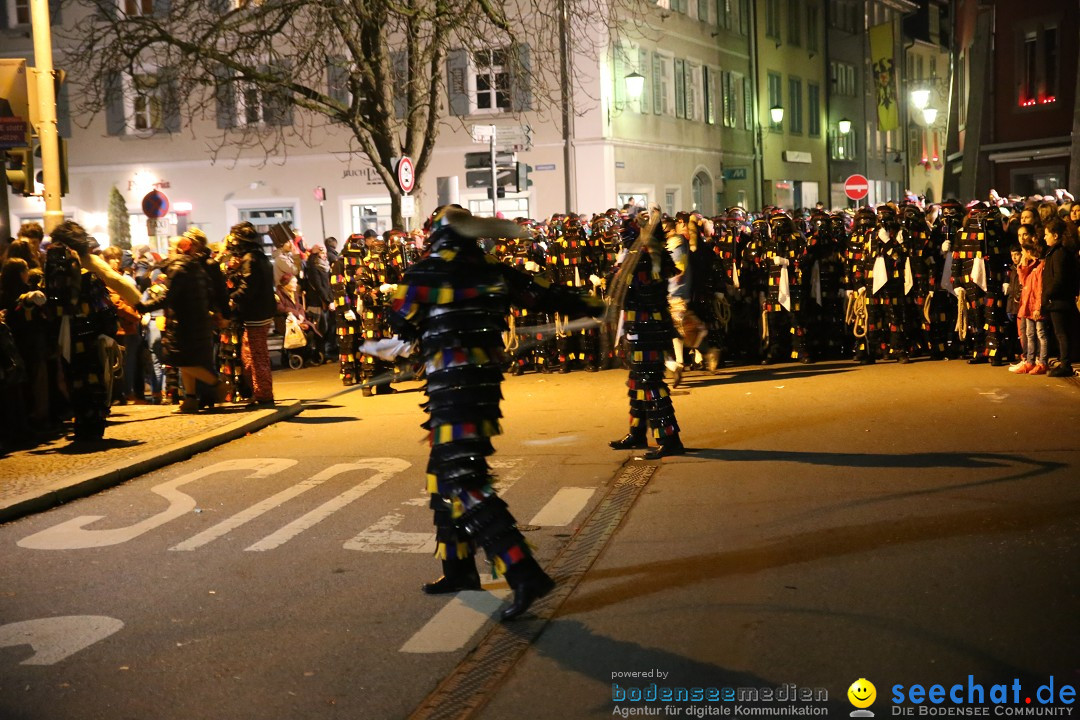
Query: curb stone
84	484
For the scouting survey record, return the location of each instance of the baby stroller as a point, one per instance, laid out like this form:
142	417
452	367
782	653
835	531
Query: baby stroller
303	343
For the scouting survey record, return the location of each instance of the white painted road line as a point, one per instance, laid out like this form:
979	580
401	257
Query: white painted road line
382	537
385	468
56	638
72	534
244	516
563	508
456	623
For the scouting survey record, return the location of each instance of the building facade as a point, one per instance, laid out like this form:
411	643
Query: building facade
685	143
1015	107
790	59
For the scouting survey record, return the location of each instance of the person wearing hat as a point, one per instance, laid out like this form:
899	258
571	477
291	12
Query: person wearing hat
252	301
454	303
187	341
75	285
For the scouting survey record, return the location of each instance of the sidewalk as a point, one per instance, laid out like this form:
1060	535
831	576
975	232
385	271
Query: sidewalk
142	438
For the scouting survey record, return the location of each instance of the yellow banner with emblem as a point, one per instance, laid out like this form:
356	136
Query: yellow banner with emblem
881	54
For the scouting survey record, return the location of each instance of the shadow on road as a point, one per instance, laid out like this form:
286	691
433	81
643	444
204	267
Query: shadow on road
305	420
770	373
815	545
87	447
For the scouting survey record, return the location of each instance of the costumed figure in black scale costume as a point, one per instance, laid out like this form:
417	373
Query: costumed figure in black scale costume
649	331
889	279
708	299
230	336
979	270
571	264
348	306
923	257
856	271
375	280
944	341
78	299
523	344
454	303
733	247
824	295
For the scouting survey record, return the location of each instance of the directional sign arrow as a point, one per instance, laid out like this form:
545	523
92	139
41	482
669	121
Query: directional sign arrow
56	638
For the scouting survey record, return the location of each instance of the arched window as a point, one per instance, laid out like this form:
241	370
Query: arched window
701	189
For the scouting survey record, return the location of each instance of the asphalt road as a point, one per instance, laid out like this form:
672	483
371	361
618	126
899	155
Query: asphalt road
906	524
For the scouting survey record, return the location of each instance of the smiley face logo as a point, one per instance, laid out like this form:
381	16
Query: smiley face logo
862	693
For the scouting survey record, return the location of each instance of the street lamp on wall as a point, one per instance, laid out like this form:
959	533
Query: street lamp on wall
776	113
844	126
635	86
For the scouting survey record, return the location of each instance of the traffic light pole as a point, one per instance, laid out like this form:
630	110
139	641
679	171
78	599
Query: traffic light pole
494	178
46	130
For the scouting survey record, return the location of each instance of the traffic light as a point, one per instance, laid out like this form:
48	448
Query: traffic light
502	192
522	176
40	176
19	168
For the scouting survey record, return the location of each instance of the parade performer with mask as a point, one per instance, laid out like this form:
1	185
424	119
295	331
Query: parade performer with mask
454	303
640	287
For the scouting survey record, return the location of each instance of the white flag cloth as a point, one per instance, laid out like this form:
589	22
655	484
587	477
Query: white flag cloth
815	282
946	274
785	289
978	273
909	277
881	274
387	349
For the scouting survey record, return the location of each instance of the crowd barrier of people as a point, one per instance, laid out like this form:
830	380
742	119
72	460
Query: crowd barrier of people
85	328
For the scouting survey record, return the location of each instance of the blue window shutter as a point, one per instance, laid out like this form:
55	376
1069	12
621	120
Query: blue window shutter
399	71
457	81
220	6
522	90
162	8
114	104
225	99
54	12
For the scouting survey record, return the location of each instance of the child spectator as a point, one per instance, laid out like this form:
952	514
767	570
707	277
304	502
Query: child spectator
1014	328
1029	311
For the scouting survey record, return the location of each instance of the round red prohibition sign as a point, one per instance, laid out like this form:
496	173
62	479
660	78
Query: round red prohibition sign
856	187
405	177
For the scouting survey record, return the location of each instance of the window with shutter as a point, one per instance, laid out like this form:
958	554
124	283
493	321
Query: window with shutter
136	8
693	90
680	88
658	85
489	84
18	12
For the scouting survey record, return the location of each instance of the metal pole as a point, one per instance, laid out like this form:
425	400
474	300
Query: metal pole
494	176
322	219
567	115
46	129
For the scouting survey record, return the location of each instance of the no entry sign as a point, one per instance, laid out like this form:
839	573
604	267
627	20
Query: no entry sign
857	187
405	176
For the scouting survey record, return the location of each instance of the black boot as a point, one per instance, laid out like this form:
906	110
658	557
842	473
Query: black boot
529	583
671	445
459	574
634	439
